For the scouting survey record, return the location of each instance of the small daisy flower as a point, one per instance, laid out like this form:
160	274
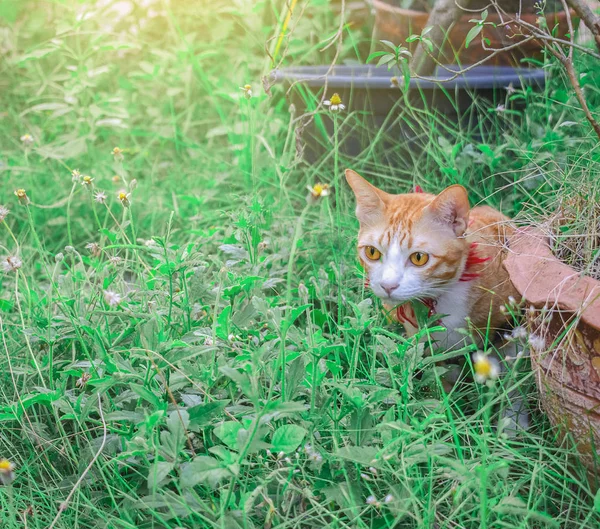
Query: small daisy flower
335	103
94	249
4	211
7	474
388	499
208	341
510	89
100	197
247	89
83	380
21	194
538	343
87	181
315	457
12	263
116	179
75	176
519	333
118	154
372	500
500	108
124	198
114	260
485	367
318	190
27	140
112	298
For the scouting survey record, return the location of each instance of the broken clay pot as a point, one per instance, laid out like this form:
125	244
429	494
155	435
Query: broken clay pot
566	353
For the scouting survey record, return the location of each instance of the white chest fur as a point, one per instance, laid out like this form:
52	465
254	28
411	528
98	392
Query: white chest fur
456	306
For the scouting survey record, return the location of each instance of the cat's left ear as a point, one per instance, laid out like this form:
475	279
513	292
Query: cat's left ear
451	208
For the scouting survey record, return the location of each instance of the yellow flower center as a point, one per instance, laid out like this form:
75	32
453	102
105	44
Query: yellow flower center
336	99
20	193
122	196
87	179
247	87
483	367
5	465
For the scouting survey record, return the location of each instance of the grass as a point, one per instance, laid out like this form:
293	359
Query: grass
222	314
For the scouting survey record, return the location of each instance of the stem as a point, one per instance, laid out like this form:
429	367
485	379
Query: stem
290	269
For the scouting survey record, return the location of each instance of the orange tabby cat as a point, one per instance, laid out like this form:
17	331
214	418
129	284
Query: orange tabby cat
435	249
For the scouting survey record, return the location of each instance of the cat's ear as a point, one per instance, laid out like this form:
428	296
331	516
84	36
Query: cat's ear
451	208
370	201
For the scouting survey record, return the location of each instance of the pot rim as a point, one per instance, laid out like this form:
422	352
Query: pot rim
380	5
542	279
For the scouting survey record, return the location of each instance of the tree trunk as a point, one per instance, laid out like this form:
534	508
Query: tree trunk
443	15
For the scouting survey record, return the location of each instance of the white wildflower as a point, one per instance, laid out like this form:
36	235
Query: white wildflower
538	343
100	197
4	211
486	367
27	140
112	298
12	263
335	103
247	89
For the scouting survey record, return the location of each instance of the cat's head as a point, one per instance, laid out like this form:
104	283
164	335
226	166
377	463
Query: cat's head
411	245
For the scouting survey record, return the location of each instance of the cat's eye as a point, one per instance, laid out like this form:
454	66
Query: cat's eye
372	253
419	258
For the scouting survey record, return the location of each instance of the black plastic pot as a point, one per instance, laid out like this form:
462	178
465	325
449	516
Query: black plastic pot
381	112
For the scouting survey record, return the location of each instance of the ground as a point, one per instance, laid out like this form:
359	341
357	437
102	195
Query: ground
187	340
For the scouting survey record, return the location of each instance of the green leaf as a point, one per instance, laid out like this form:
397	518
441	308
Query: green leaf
364	455
597	501
203	469
388	44
147	395
158	471
473	32
201	414
376	54
228	433
287	438
386	60
223	323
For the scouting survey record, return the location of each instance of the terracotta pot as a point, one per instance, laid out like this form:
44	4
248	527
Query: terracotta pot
396	24
567	357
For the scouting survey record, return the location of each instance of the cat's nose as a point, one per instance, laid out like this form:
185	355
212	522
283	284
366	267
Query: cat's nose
389	286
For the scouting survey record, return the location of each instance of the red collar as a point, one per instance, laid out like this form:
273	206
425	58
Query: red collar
405	312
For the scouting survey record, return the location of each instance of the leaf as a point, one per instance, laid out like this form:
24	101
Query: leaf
386	59
227	432
473	32
222	330
201	414
364	455
287	438
597	501
147	395
376	54
203	469
158	471
388	44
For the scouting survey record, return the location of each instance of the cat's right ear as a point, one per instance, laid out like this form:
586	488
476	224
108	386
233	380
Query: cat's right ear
370	201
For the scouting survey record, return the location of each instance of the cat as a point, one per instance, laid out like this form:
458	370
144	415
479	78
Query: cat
438	250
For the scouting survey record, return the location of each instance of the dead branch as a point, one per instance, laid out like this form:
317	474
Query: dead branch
590	19
443	15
